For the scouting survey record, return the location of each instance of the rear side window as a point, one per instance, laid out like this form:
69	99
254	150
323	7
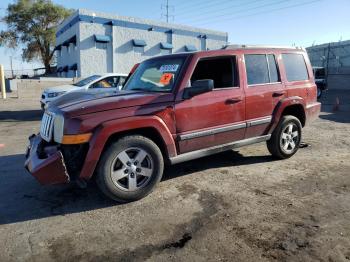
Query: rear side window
295	67
261	69
222	70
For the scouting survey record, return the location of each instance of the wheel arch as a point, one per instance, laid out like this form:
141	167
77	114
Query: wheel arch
296	110
148	132
151	127
294	106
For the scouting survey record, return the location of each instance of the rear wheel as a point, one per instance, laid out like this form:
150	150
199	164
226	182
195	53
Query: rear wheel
130	168
286	138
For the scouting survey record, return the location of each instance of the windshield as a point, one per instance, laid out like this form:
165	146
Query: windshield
156	75
87	80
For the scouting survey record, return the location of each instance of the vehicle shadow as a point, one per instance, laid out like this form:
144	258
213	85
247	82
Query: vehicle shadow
340	117
23	199
225	159
25	115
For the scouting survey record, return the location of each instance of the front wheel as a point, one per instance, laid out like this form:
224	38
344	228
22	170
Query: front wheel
286	138
130	168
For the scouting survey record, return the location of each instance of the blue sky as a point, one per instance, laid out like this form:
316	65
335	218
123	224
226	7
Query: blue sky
275	22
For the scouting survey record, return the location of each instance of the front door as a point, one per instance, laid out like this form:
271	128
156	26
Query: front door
215	117
264	90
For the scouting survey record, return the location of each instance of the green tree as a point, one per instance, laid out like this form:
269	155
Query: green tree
32	24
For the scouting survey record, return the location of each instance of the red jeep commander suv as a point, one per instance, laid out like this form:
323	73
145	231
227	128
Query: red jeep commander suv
172	109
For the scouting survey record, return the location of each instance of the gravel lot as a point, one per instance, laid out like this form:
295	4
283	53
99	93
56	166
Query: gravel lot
237	206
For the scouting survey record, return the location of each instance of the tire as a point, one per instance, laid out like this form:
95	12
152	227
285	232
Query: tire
319	92
142	159
283	135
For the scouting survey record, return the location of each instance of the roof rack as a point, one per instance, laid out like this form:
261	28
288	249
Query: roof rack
260	46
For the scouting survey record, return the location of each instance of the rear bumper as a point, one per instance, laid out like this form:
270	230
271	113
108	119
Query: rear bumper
45	164
312	111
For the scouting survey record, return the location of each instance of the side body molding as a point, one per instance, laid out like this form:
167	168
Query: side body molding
107	129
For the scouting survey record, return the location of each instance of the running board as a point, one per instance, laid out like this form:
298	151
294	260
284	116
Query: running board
217	149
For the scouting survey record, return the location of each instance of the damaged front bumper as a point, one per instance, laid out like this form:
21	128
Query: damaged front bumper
45	162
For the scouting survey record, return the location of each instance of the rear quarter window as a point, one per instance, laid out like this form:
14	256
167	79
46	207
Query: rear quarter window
295	67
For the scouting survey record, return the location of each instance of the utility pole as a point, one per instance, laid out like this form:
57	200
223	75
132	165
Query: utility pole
167	11
329	49
11	67
167	8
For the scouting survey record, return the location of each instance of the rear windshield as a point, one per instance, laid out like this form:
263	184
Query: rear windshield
156	75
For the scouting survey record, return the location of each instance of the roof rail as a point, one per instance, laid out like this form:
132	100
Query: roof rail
260	46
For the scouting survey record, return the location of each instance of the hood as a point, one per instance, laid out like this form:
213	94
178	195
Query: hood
91	101
62	88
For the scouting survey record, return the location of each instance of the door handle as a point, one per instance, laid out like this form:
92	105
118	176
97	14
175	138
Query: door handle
233	100
279	93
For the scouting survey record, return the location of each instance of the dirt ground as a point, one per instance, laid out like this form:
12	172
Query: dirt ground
236	206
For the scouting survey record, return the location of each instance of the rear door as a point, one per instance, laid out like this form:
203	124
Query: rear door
264	90
299	81
215	117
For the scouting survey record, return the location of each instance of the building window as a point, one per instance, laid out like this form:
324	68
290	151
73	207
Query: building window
139	45
139	49
165	51
100	45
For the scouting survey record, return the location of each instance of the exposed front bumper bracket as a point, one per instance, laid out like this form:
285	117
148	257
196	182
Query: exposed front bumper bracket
49	168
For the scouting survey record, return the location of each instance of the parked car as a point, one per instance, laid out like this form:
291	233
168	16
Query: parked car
320	80
98	82
176	108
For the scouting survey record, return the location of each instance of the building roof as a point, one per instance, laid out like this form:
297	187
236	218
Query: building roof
151	25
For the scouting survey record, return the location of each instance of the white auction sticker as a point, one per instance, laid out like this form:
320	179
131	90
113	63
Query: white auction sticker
168	68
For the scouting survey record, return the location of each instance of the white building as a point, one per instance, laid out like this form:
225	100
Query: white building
93	43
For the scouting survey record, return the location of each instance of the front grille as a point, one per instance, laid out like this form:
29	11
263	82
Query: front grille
47	126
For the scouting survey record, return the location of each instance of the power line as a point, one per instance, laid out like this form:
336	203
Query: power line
264	12
222	9
195	3
239	11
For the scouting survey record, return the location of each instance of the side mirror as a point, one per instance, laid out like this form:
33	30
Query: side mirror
199	87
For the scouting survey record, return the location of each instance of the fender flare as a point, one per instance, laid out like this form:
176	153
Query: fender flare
109	128
281	106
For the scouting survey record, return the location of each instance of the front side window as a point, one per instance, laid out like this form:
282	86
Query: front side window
261	69
87	80
222	70
156	75
295	67
108	82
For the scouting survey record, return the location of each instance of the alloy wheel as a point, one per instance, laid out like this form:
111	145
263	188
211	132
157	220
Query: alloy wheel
289	138
132	169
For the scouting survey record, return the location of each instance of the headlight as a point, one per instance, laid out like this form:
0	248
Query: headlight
54	94
58	127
